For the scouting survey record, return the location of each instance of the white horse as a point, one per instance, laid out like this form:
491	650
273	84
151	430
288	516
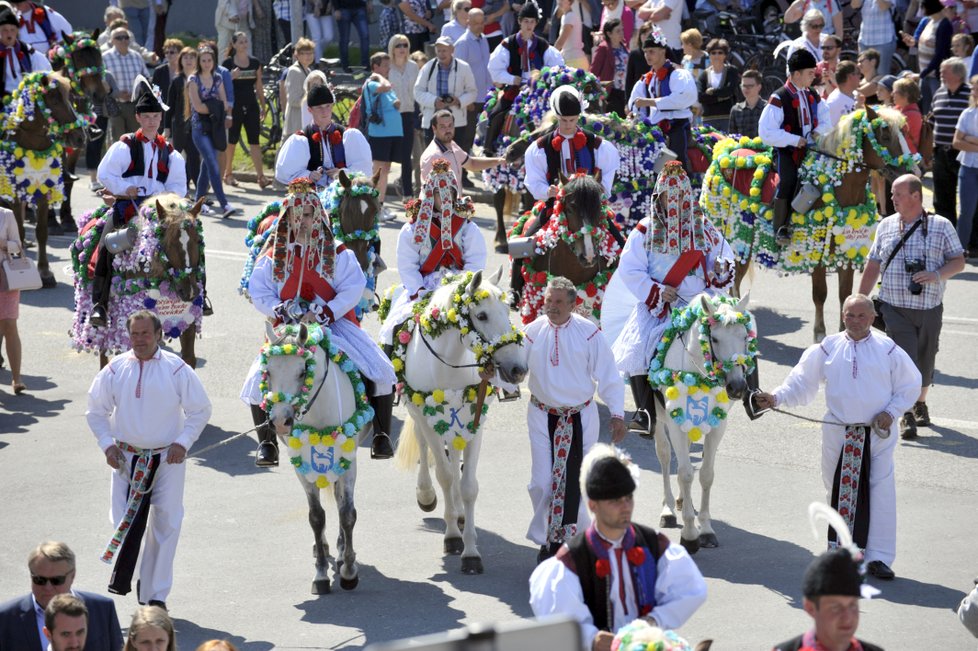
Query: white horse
437	355
697	395
316	401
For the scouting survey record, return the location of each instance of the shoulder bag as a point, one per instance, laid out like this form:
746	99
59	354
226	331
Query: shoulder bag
19	272
878	322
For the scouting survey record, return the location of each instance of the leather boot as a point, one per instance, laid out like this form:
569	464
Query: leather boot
782	211
382	447
643	421
267	454
99	317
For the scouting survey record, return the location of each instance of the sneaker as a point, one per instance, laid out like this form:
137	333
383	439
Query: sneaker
386	215
920	414
95	186
908	427
227	211
206	210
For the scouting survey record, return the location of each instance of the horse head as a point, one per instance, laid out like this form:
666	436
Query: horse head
889	136
584	209
55	93
490	319
730	340
180	245
358	210
83	65
286	371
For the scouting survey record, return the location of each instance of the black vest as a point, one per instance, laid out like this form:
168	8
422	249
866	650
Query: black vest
23	60
783	98
515	68
137	166
545	142
316	153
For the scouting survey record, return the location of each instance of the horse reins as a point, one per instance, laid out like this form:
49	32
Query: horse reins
439	357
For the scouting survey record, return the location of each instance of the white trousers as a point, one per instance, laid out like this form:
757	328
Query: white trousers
881	541
541	468
321	31
162	528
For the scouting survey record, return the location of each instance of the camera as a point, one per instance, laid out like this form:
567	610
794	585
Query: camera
447	99
912	266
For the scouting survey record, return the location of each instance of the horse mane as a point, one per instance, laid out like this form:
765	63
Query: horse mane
842	131
586	195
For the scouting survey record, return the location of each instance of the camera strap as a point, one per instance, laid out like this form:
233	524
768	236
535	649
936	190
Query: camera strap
903	240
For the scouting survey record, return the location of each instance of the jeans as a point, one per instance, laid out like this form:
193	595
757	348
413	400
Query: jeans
359	18
138	23
210	171
946	177
886	51
968	195
321	31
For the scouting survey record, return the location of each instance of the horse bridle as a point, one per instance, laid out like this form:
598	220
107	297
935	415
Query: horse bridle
439	357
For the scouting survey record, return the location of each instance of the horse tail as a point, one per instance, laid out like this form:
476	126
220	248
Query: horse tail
408	449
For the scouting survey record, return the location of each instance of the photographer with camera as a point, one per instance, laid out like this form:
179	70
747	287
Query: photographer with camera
445	82
915	253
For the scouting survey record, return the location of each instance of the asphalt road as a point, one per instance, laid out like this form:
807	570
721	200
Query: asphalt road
244	565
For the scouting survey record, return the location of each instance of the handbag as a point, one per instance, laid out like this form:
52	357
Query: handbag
878	321
19	272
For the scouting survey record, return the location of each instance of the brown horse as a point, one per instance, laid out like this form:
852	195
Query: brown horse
576	245
38	121
357	207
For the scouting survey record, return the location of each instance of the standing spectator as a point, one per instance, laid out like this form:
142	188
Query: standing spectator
417	23
283	18
137	13
52	570
717	85
962	46
473	48
315	78
353	12
912	285
170	67
456	27
305	51
11	244
570	41
390	23
811	34
125	66
949	103
234	16
966	142
876	31
403	75
146	408
842	100
249	106
825	69
618	9
321	24
384	128
66	623
159	25
609	63
667	15
567	362
637	64
868	65
111	14
884	90
149	57
176	120
419	59
745	116
444	83
443	146
829	9
151	628
495	12
906	93
933	42
695	59
41	27
210	115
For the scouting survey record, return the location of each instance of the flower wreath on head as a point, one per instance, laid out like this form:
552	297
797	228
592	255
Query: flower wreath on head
421	211
680	228
302	193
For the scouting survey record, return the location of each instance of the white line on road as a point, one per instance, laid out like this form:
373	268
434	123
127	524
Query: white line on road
229	255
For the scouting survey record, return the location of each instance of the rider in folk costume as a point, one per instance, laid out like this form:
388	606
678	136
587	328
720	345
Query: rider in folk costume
792	118
17	57
565	151
670	257
305	276
41	27
512	64
322	148
440	238
665	95
616	571
568	357
139	166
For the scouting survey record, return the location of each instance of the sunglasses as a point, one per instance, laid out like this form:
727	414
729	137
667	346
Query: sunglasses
53	580
120	38
400	45
817	25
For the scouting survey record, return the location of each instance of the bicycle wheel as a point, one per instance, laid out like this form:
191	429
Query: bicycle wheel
271	127
345	99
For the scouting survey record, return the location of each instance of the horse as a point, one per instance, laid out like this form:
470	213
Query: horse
38	121
353	206
699	378
457	330
320	430
837	230
575	243
163	271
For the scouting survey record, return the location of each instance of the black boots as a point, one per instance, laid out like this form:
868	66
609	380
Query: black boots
267	454
643	421
382	447
782	211
98	318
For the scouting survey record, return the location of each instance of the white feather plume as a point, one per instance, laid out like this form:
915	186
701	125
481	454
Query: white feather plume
820	515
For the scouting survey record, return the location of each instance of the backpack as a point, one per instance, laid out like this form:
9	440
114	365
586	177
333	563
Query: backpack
355	119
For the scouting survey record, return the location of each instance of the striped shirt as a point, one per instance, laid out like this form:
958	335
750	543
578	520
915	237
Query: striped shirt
877	25
947	108
124	67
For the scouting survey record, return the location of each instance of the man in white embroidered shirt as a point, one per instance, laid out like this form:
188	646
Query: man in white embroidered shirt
869	381
146	409
568	356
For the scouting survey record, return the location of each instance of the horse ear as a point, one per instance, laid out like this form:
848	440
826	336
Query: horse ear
474	283
270	332
160	213
742	303
303	333
344	179
563	179
704	645
706	304
98	30
497	276
195	209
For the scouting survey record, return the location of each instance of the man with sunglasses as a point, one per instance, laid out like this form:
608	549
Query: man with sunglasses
825	69
52	570
124	65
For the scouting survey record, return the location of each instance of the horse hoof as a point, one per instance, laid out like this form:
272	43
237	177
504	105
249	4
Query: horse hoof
709	540
667	522
47	280
350	584
692	546
428	508
472	565
320	586
454	546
